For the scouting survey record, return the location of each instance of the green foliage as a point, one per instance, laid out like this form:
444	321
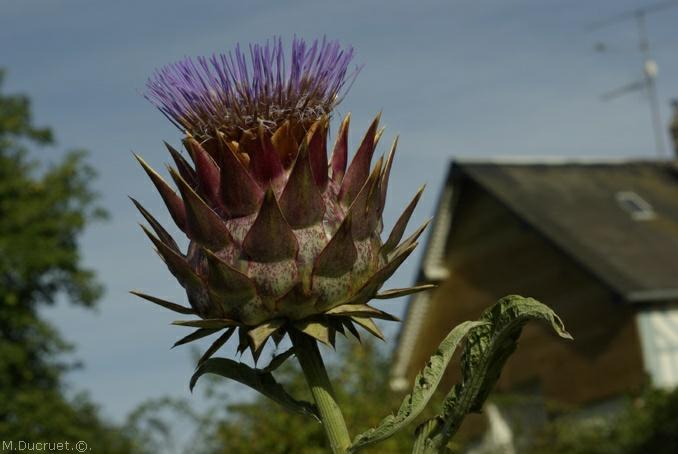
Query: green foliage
257	379
648	424
153	427
488	348
360	379
425	385
361	385
42	214
34	414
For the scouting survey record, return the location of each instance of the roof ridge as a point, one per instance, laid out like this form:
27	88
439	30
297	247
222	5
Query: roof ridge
557	160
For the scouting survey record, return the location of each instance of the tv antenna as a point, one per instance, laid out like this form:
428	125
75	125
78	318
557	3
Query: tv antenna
650	68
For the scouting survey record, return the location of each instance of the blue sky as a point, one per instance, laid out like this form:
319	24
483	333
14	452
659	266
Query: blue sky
473	79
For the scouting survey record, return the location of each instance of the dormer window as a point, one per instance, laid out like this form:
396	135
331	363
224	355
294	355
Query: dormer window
635	205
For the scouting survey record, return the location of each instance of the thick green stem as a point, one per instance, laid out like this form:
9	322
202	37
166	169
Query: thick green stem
422	435
306	350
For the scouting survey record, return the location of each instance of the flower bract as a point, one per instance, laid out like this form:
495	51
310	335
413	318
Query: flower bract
281	235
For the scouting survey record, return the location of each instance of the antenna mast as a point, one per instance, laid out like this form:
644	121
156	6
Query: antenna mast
649	66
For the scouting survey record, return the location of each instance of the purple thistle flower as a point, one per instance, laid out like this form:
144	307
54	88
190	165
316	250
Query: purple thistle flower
282	237
229	94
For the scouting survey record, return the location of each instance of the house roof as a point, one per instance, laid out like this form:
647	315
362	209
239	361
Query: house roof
619	220
616	219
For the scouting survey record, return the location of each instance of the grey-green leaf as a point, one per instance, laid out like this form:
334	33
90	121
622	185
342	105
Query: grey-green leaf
424	386
208	323
488	348
279	359
216	345
257	379
195	335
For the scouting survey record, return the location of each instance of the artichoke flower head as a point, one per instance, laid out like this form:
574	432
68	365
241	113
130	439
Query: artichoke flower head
280	236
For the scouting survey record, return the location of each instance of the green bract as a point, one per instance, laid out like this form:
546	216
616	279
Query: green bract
280	236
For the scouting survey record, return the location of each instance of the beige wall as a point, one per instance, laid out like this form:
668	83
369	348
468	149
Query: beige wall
491	253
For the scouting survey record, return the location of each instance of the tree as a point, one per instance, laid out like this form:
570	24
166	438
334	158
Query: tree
42	214
647	424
